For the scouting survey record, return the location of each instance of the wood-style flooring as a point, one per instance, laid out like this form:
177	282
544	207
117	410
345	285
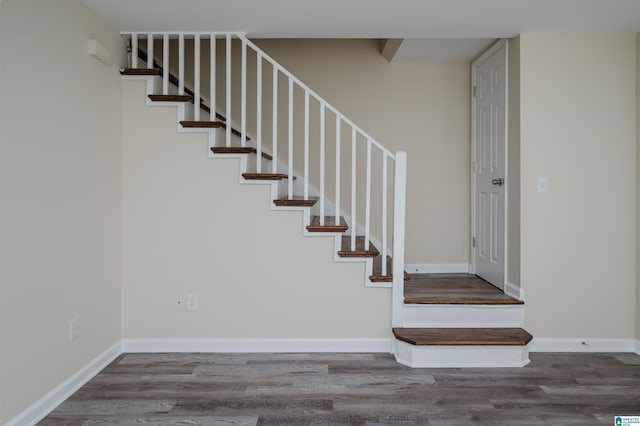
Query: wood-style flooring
464	289
352	389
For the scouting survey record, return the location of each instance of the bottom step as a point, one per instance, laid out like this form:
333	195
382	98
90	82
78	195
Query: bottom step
461	347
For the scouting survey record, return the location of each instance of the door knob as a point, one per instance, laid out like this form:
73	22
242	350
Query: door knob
497	182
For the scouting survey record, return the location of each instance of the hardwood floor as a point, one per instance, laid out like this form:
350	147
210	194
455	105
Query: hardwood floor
354	389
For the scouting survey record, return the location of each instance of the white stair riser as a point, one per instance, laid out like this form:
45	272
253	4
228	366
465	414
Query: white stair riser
460	356
481	316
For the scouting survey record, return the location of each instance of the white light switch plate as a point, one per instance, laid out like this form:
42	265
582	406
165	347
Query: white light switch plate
542	184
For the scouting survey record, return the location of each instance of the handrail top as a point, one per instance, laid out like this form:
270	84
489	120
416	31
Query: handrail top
283	70
319	98
185	33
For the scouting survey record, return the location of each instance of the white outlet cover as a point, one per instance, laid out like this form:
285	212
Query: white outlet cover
179	303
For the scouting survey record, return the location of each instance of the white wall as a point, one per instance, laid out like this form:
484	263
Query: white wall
422	108
578	128
189	226
60	195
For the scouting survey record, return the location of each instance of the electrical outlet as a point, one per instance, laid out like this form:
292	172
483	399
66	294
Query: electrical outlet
74	329
192	301
179	303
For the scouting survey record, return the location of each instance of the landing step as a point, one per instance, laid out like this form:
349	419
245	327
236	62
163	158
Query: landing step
360	251
171	98
463	336
329	224
140	71
238	150
461	347
202	124
296	201
454	289
377	276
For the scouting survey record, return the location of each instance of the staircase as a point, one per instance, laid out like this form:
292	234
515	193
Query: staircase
347	185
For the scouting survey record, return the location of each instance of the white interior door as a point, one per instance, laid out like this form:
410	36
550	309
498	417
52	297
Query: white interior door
489	163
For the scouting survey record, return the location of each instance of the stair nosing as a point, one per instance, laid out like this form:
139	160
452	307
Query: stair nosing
522	340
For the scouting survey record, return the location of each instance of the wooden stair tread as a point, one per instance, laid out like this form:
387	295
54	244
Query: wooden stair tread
463	336
239	150
376	275
264	176
329	224
360	250
141	71
201	124
171	98
296	201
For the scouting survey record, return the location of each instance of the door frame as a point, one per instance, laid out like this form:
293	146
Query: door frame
502	43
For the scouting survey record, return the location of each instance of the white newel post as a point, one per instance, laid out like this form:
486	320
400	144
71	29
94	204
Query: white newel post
399	206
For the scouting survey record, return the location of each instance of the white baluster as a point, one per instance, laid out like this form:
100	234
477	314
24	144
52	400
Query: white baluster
306	145
259	111
212	82
181	64
338	125
243	95
367	203
134	50
399	206
384	212
165	64
290	173
274	137
150	51
322	165
228	103
353	189
196	77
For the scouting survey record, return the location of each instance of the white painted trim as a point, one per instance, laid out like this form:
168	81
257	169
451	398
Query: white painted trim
582	345
453	316
39	409
460	356
513	290
500	44
637	347
437	268
382	345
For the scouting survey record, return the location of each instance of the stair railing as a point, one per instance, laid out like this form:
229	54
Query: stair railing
148	39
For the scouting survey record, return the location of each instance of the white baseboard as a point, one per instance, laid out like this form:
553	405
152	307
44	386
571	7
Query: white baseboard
637	347
39	409
437	268
256	345
582	345
514	291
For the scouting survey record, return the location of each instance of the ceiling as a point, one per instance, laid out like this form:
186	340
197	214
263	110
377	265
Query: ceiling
404	19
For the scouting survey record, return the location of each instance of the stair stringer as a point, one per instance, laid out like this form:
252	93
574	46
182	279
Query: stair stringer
184	111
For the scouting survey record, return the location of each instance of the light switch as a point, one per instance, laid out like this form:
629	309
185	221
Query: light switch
542	184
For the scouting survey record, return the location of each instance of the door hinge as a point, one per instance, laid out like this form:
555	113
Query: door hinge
473	241
475	91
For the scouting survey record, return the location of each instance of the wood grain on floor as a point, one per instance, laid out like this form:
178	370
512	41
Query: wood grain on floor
352	389
464	289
